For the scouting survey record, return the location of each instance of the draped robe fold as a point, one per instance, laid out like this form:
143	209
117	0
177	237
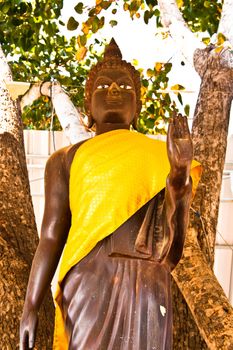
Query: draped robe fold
112	177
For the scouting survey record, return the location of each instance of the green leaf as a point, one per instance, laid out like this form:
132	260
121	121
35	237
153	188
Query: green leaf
16	21
105	4
79	8
147	16
156	13
150	123
151	109
113	23
207	4
95	24
187	110
6	8
206	40
145	82
180	98
83	39
22	8
72	24
152	2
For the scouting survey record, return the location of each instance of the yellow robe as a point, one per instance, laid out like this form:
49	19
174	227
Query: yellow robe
112	176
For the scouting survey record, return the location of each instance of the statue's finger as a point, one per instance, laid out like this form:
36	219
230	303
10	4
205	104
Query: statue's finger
170	130
186	126
170	134
179	126
176	127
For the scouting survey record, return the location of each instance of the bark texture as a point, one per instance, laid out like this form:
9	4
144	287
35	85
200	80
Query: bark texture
18	241
18	234
210	129
202	291
206	299
194	276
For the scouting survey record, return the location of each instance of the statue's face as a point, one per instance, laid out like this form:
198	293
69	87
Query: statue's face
113	98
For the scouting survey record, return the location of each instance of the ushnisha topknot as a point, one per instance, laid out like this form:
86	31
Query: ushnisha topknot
112	59
112	51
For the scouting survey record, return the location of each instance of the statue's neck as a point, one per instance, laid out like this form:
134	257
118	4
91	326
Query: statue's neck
105	127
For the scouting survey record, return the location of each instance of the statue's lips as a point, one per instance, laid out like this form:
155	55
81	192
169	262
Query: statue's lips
114	100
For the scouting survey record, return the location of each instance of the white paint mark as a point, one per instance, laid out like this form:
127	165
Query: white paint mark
163	310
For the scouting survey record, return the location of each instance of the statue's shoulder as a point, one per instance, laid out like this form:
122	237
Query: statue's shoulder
62	158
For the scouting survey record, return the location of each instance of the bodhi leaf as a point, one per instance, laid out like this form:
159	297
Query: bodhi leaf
177	87
81	53
158	66
220	39
85	28
79	8
113	23
82	40
180	98
44	53
187	110
72	24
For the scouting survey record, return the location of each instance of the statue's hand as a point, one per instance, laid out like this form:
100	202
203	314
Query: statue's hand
28	327
179	147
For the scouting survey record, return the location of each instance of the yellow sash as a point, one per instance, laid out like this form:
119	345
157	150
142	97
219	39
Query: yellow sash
112	176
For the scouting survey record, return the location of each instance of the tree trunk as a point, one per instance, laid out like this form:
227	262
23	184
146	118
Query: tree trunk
209	133
194	275
18	235
205	297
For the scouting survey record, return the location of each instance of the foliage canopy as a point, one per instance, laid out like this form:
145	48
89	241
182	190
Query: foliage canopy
40	53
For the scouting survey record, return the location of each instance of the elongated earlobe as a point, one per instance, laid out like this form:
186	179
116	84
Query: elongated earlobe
135	122
90	121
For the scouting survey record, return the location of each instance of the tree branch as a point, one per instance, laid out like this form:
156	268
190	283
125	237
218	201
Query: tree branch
9	117
172	19
225	25
5	69
68	115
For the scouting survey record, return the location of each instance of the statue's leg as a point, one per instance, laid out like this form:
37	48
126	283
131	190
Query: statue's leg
117	303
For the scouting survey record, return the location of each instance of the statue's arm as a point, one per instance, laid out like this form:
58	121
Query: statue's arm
54	231
178	190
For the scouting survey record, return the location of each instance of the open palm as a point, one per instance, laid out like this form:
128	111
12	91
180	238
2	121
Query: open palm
179	144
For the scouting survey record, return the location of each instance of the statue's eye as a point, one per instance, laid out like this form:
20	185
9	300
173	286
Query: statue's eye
103	86
125	86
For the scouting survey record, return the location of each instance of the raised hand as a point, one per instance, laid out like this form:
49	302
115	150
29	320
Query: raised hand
28	327
179	148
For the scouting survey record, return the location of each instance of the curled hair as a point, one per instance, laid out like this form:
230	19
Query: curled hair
112	59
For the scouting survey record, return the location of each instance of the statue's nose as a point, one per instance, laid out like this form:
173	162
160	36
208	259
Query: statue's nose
114	89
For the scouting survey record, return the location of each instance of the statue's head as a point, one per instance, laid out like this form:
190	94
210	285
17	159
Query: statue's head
100	77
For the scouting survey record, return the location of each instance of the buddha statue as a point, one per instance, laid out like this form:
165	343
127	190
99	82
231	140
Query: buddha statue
116	210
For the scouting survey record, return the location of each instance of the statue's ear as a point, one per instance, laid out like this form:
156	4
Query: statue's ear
90	120
88	113
135	119
135	122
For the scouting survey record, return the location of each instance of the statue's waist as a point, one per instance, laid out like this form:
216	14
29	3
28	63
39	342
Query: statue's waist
141	236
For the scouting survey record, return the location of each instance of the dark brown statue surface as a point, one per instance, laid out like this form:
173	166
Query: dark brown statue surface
116	297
